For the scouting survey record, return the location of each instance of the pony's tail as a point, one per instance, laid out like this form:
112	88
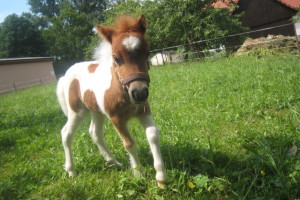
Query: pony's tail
60	92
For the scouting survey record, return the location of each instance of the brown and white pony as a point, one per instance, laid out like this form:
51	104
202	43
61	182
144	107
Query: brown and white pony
115	86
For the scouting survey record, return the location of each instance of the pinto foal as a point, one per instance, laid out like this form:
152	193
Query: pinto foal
116	86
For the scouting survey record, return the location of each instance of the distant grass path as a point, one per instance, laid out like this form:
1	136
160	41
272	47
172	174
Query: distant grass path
229	130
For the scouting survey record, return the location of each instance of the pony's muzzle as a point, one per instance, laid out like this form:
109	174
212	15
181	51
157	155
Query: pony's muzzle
140	95
138	92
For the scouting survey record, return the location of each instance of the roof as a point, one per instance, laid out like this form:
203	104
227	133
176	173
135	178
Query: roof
294	4
5	61
225	3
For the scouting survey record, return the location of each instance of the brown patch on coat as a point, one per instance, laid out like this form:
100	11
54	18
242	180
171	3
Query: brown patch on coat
124	24
135	61
117	101
120	109
92	68
121	127
89	99
130	24
75	96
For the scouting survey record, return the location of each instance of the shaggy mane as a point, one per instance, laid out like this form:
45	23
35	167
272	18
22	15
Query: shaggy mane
102	53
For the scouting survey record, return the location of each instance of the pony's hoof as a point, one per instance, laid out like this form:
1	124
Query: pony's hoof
70	170
114	163
72	173
161	185
138	172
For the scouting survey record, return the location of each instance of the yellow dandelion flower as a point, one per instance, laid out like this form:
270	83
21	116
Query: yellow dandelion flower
191	185
263	173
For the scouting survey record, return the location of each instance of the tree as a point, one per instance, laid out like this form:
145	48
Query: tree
122	7
174	22
39	22
20	38
52	8
68	35
68	31
92	8
47	8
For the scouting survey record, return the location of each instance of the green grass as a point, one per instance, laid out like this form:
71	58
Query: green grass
226	129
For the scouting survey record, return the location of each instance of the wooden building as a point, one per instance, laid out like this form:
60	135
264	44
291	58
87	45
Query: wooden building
264	14
21	73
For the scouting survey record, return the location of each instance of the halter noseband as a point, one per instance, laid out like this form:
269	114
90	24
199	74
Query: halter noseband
134	77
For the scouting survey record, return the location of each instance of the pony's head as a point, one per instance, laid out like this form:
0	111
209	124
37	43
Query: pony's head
130	55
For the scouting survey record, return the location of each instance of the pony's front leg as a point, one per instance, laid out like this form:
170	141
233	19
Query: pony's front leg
129	144
153	139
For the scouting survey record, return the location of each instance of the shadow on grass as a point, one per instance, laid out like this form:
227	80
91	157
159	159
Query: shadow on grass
261	172
30	119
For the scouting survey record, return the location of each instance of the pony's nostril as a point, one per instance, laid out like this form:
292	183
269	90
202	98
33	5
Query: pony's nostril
134	94
140	95
146	92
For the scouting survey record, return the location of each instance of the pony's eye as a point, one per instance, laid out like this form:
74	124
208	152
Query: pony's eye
118	60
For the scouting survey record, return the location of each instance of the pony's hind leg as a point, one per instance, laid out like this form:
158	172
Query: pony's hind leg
96	132
67	133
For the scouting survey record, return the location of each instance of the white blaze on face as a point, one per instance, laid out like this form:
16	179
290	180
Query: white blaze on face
131	43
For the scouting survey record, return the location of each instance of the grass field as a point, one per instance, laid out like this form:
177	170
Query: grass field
229	129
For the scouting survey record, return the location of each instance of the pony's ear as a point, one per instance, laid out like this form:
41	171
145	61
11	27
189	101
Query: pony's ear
141	24
105	33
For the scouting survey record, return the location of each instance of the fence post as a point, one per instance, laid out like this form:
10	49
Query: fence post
296	35
15	86
156	59
162	56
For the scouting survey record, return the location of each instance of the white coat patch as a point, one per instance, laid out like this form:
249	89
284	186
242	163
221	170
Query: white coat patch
131	43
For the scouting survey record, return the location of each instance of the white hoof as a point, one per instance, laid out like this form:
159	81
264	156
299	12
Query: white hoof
138	172
72	173
161	177
161	185
113	163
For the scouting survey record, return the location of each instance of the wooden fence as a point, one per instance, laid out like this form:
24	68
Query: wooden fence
15	86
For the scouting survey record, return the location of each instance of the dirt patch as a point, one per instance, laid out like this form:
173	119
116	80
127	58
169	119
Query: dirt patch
272	43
